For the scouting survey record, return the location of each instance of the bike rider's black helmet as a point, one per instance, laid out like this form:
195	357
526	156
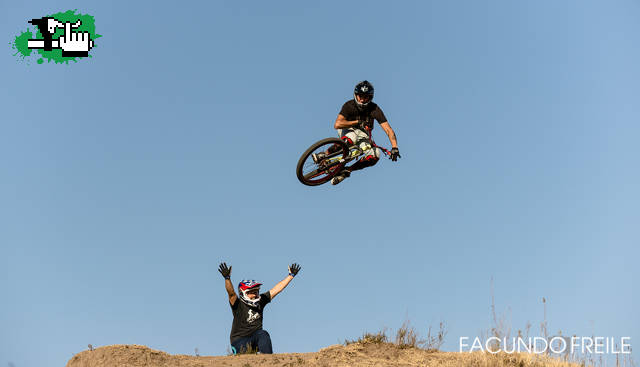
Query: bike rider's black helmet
363	89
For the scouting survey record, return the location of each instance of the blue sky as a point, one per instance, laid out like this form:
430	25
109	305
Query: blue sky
126	178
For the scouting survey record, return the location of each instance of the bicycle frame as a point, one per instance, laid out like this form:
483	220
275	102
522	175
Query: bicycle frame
354	152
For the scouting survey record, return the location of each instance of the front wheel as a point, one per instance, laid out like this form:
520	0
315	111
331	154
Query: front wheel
311	173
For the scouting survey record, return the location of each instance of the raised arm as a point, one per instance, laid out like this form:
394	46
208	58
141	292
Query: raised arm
228	286
293	271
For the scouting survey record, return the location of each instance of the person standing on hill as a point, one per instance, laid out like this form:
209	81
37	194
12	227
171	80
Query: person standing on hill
247	307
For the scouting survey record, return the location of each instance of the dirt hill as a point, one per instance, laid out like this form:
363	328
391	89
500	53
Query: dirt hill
353	355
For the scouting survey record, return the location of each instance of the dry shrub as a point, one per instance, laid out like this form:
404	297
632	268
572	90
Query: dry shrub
408	337
434	342
370	338
248	350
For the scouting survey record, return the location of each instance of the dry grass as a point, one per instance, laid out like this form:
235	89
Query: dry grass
369	338
406	337
434	342
248	350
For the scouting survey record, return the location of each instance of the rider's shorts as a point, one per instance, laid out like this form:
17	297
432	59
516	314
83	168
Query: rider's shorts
361	138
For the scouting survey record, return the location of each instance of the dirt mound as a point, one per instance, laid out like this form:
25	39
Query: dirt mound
357	354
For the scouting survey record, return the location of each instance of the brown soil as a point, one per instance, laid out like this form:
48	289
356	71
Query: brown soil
357	354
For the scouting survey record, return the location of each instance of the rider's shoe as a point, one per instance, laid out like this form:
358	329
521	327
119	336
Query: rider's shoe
318	157
340	177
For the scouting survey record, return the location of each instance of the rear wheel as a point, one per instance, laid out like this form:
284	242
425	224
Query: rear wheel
311	173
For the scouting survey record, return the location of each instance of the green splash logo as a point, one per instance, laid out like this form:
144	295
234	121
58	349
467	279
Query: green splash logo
60	37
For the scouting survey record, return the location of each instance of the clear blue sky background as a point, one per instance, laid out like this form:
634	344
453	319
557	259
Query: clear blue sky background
126	178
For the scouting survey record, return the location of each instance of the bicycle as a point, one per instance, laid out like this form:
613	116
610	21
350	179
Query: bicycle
336	154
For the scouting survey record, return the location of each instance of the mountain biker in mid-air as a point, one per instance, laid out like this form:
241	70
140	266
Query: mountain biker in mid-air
247	308
354	125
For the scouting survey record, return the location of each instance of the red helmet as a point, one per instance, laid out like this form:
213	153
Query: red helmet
244	286
248	284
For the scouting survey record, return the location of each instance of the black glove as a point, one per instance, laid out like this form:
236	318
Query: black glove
225	271
395	154
294	269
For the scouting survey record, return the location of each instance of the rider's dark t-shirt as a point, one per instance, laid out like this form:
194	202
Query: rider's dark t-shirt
246	319
368	113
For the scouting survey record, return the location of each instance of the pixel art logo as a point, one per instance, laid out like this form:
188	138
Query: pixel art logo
60	37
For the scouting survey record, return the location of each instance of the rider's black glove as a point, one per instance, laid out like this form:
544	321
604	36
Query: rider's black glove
294	269
395	154
225	271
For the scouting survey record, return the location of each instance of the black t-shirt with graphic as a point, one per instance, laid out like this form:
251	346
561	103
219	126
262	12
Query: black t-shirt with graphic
246	319
368	113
